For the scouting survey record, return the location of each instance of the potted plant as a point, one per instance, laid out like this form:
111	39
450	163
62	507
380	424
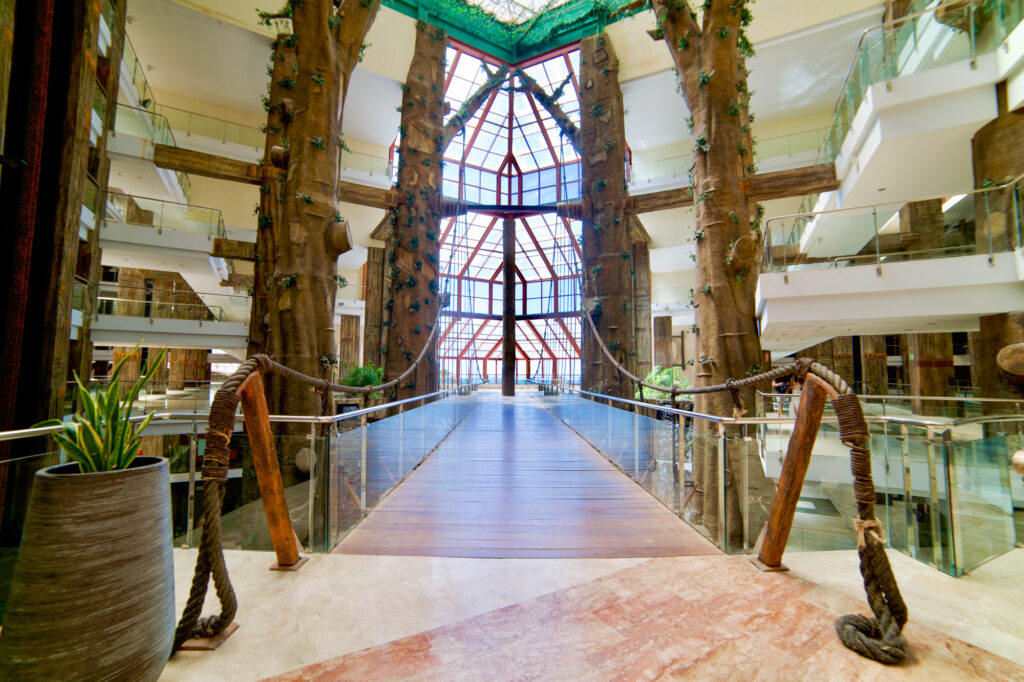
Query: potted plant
92	594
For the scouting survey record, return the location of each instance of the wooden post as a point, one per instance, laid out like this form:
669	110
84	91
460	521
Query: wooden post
264	457
794	468
508	308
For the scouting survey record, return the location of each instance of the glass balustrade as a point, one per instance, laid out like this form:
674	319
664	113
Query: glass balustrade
147	125
170	304
936	36
980	221
164	215
371	165
799	145
946	494
191	123
335	469
137	75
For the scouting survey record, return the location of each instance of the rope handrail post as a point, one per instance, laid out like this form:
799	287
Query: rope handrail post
268	473
791	479
879	638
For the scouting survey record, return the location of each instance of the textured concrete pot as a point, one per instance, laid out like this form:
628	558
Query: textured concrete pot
93	590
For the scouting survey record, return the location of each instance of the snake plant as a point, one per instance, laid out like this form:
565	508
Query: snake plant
100	436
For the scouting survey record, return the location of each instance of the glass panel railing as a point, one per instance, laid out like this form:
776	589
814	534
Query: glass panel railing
947	33
985	498
945	492
980	221
147	125
331	481
906	406
79	289
191	123
170	304
90	198
164	215
144	124
371	165
372	453
178	395
137	76
778	149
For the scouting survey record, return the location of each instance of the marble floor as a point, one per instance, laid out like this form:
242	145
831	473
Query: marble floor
698	617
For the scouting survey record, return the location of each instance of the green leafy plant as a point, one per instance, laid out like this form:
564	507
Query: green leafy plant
667	377
363	375
100	436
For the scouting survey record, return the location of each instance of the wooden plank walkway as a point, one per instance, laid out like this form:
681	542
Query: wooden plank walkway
512	481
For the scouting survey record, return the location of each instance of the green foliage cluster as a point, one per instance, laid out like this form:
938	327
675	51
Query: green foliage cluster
668	377
100	436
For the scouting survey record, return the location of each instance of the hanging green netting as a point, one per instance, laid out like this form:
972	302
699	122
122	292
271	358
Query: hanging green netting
550	28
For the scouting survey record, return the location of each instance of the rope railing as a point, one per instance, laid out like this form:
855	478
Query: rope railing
879	638
246	386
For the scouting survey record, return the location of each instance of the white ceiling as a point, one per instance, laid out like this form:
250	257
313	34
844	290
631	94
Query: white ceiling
195	54
796	75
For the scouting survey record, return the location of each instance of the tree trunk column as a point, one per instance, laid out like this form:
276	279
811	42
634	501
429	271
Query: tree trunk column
607	251
411	268
508	308
374	302
874	365
642	345
930	369
663	341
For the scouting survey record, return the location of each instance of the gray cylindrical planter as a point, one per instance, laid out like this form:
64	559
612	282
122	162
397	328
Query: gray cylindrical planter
92	595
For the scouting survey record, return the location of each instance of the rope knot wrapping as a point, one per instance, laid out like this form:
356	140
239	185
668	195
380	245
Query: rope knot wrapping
868	528
803	365
737	402
853	429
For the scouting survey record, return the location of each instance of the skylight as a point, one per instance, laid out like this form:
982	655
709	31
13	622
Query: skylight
515	11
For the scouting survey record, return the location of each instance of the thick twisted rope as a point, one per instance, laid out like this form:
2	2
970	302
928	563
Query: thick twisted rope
323	386
732	385
211	551
220	426
879	638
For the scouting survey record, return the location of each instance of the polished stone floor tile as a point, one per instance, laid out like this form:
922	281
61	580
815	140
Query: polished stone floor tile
686	617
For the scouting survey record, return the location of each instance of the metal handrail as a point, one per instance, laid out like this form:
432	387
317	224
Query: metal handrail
112	285
860	44
865	208
18	434
874	419
147	112
212	118
759	141
863	396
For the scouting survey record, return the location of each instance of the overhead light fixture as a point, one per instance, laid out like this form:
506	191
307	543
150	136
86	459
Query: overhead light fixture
952	201
892	224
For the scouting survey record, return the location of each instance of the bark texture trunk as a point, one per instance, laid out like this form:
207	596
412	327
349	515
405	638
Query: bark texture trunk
607	251
301	232
411	268
710	59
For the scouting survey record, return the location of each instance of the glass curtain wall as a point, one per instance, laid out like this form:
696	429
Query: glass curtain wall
511	154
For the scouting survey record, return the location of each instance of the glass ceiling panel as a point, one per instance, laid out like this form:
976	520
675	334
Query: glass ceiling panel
514	134
515	11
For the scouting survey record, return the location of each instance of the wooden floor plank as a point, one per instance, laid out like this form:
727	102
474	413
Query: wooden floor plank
512	481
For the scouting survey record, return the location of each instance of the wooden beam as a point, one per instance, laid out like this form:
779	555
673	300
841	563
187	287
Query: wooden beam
375	197
764	186
222	168
208	165
268	472
238	281
794	469
233	249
